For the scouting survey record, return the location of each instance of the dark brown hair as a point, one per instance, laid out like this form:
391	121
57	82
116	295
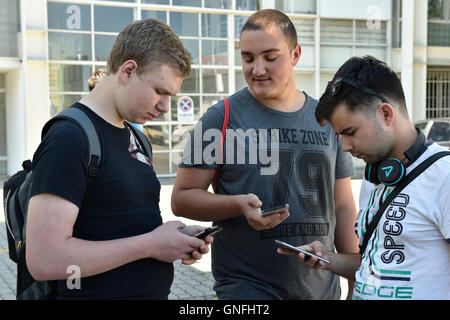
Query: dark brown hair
267	18
367	72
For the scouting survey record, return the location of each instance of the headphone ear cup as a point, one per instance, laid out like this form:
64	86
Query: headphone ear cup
371	173
391	171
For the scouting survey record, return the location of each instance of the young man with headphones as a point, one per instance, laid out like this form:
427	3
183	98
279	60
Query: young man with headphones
406	253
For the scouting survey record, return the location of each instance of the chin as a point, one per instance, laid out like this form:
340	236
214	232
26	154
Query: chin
263	93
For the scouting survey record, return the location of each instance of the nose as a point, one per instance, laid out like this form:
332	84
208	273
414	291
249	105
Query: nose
163	104
346	145
258	68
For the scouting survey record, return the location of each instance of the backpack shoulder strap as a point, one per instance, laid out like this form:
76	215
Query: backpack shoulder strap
222	140
142	140
410	177
80	118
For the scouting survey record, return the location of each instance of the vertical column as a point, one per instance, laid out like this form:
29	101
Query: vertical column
15	123
407	54
420	60
36	79
317	50
414	56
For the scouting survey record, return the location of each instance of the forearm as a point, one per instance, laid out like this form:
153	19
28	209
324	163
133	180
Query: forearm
346	243
202	205
345	239
344	265
91	257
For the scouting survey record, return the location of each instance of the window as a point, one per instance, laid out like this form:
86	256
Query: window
69	16
220	4
341	39
69	46
184	23
166	2
305	34
103	45
438	93
2	126
189	3
158	15
396	23
439	23
68	78
9	28
287	6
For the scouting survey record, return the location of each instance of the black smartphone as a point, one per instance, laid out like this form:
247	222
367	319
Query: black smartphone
273	210
208	232
308	254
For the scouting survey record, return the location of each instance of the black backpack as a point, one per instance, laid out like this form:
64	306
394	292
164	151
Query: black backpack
16	197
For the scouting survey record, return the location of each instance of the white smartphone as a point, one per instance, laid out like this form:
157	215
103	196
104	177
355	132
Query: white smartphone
273	210
309	254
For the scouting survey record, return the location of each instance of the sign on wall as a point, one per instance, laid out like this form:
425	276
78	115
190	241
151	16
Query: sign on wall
185	109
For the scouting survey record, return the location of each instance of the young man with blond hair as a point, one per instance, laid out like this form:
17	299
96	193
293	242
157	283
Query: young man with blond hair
112	230
307	170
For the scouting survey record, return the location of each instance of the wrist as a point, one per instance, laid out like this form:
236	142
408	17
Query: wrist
146	246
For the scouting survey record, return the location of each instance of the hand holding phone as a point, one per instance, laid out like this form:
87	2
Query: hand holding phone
269	211
208	232
306	253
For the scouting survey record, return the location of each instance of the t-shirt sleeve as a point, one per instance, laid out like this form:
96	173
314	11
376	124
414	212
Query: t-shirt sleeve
60	163
443	222
344	162
202	147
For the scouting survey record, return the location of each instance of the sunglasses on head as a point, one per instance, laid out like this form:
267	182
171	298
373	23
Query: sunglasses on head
335	86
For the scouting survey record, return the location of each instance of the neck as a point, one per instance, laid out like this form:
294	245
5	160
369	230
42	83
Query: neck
290	102
405	140
100	100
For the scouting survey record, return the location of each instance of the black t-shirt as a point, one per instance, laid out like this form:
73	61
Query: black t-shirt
121	202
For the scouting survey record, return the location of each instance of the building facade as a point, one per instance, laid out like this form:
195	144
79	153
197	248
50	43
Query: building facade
49	48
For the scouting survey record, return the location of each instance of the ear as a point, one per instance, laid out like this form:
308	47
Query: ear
296	54
127	70
387	113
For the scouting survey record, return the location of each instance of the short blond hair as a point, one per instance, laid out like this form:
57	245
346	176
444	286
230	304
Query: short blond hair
149	42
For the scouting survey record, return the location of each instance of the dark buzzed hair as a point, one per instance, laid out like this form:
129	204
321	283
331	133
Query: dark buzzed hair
267	18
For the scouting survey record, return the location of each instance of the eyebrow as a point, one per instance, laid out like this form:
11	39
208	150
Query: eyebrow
265	51
165	92
345	131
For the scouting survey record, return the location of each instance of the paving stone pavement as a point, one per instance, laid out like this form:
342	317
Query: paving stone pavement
7	268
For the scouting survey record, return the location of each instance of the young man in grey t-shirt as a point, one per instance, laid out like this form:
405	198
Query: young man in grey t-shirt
274	153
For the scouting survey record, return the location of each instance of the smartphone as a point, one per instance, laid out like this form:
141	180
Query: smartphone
273	210
208	232
309	254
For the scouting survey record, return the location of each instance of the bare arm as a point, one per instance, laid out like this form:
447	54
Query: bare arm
51	248
191	199
345	239
342	264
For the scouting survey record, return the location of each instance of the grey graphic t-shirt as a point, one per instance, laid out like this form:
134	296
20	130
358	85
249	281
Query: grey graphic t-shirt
282	157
